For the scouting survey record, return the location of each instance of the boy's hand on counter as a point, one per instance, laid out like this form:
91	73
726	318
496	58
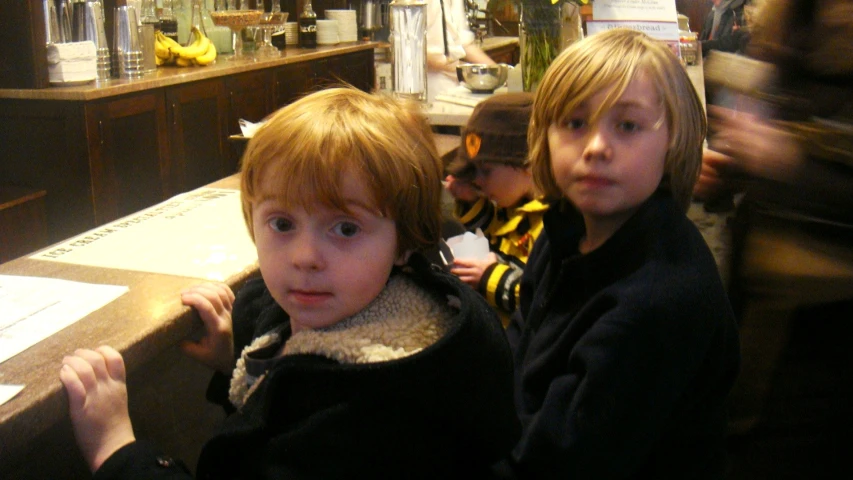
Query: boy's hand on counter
213	302
97	399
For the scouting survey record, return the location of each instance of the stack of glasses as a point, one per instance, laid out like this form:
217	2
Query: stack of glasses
88	24
127	49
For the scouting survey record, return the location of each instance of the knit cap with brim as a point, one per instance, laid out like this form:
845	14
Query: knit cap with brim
496	133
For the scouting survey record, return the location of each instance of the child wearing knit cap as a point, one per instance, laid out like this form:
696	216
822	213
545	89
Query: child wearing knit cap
491	182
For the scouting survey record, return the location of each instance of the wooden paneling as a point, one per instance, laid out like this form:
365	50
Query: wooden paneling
294	80
102	159
128	154
250	97
23	61
23	222
42	149
198	121
356	69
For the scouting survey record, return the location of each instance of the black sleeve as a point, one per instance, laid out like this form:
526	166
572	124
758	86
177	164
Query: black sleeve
249	305
142	460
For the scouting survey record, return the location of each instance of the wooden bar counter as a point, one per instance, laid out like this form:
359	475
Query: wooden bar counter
145	324
103	151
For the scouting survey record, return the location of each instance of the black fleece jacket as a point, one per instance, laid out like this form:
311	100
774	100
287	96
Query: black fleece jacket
623	356
440	413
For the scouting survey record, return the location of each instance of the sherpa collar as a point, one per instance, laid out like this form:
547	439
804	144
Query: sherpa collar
403	320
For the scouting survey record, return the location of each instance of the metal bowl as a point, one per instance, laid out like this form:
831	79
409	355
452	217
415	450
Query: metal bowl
481	78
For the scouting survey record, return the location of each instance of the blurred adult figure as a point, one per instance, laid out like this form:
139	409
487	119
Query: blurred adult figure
793	246
725	27
449	41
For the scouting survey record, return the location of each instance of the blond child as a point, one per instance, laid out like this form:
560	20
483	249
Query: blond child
491	182
351	357
625	346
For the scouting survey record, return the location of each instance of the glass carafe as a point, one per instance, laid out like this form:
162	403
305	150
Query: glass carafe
220	36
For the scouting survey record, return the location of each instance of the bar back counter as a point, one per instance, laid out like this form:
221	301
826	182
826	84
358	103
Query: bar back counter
104	151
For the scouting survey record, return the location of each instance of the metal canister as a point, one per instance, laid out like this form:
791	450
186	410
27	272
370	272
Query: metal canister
408	48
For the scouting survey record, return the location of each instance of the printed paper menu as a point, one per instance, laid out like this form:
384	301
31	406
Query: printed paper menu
33	308
197	234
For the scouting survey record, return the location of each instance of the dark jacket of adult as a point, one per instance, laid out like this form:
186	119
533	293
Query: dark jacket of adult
732	33
624	355
439	413
811	45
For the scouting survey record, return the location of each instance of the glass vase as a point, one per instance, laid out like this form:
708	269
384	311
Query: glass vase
545	29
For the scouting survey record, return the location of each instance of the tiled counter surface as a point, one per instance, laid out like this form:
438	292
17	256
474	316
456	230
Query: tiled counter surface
173	75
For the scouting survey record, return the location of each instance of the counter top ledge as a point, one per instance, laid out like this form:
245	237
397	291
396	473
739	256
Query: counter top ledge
167	76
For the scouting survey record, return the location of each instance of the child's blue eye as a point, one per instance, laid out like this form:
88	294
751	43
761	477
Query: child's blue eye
280	224
628	126
346	229
575	123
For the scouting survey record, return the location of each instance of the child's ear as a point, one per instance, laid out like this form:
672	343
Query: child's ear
403	258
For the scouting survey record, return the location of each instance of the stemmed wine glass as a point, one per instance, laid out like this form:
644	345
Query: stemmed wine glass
269	23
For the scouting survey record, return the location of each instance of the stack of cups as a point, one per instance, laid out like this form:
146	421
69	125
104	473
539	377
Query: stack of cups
88	24
127	49
327	32
347	24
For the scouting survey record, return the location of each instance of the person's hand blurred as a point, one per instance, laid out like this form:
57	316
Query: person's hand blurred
461	190
713	181
214	302
758	148
471	271
95	381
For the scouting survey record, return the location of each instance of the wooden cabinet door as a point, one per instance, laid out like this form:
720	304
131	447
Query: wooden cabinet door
45	148
356	69
128	152
250	97
298	79
198	125
295	80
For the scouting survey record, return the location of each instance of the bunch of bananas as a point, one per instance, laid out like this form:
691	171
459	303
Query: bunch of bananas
200	51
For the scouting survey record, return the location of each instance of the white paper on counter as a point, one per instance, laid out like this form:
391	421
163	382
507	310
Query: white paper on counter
8	392
197	234
33	308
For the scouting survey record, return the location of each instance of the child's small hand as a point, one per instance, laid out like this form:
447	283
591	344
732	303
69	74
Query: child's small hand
461	190
97	401
471	271
214	302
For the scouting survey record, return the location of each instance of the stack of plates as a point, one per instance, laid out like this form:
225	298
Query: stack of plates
327	32
291	34
347	24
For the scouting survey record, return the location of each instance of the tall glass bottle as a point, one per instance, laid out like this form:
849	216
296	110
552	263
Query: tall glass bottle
308	27
183	10
168	22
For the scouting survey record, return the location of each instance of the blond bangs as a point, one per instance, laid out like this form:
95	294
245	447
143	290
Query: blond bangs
611	60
